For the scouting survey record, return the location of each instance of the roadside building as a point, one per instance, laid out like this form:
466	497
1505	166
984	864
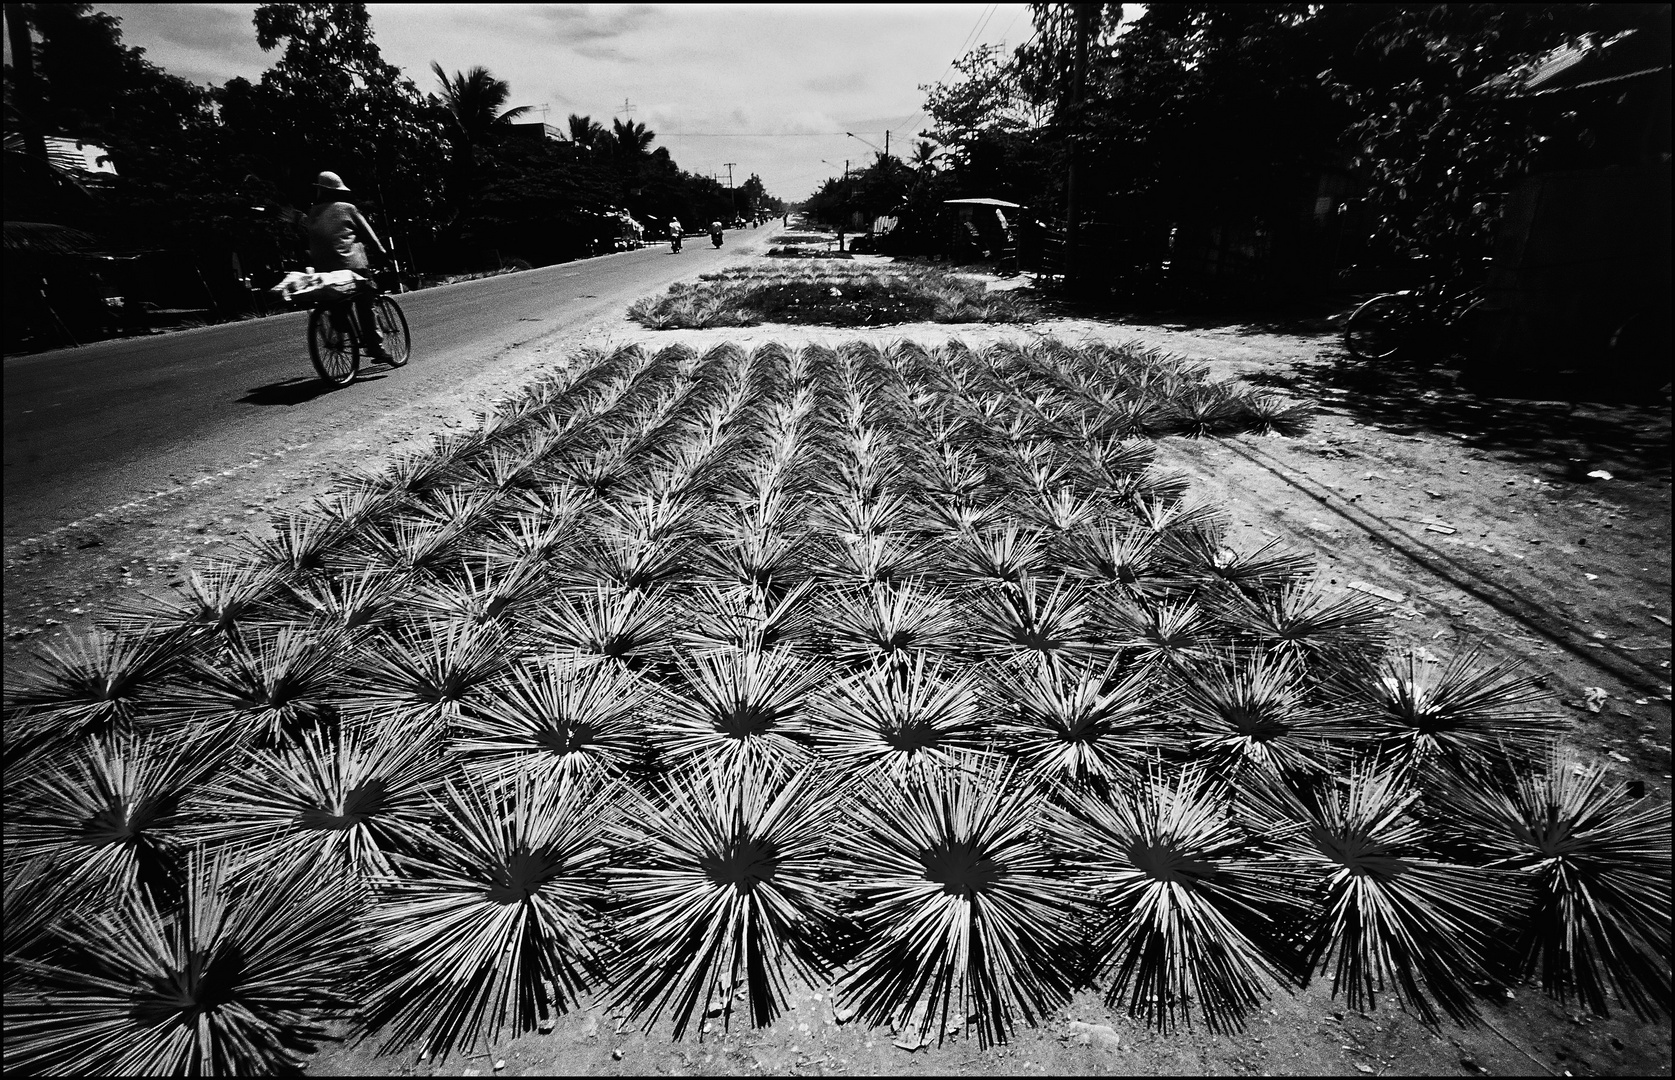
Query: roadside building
1580	279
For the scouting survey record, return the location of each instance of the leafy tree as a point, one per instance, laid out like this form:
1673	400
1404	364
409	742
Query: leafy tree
332	102
533	204
1435	130
753	194
989	129
94	88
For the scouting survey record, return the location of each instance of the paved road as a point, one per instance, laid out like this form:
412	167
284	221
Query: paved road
87	429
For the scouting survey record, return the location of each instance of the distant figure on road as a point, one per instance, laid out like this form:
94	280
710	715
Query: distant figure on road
338	235
674	234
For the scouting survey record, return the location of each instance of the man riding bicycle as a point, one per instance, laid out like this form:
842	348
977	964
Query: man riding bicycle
338	235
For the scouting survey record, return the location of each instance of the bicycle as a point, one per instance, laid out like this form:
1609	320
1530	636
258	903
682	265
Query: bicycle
334	336
1436	318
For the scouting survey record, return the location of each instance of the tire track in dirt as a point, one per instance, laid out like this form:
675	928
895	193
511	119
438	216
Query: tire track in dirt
1502	598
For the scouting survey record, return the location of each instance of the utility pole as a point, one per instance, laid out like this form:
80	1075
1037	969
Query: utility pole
844	219
1085	15
886	142
732	200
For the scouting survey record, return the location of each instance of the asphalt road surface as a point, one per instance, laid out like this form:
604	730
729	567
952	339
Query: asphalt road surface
90	429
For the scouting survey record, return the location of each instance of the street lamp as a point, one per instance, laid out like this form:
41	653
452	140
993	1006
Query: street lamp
886	149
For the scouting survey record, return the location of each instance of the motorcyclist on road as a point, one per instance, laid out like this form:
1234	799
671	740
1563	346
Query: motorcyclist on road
715	233
674	234
338	236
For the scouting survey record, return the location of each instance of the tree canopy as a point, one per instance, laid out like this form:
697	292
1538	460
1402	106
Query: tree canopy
1231	111
447	175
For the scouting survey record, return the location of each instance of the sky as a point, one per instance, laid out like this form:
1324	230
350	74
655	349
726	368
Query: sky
772	88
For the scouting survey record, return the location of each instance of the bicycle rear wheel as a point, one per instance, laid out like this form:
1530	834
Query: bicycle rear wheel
332	347
1379	328
393	325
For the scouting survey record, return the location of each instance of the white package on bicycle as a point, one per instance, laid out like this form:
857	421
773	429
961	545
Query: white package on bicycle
308	287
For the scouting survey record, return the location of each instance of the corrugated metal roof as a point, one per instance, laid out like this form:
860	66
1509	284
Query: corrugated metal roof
73	155
1630	55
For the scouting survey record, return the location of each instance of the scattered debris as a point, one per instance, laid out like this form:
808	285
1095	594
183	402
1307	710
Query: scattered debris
1382	593
1596	697
1600	474
1090	1034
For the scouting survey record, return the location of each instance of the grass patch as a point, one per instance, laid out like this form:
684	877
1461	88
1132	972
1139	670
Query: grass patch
828	295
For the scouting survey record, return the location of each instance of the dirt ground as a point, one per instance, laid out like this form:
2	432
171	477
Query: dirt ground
1477	520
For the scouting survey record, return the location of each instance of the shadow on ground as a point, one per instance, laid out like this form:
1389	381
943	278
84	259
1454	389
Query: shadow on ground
296	391
1306	316
1567	423
1550	422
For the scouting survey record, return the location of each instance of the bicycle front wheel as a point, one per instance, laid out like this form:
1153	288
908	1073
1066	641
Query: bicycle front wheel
1379	328
332	347
393	325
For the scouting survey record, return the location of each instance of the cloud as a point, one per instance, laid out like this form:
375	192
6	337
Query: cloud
198	42
200	27
578	24
841	83
601	52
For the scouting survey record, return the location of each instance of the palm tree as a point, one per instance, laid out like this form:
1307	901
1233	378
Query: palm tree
924	157
474	100
633	140
586	132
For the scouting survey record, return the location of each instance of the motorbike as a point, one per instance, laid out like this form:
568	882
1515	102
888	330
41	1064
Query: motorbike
715	237
674	243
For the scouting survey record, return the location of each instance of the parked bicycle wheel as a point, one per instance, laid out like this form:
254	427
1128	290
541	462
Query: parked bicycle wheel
1380	328
331	347
393	325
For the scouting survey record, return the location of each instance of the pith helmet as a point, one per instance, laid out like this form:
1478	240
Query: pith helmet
331	182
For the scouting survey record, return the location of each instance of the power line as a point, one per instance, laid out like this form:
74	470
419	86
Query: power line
976	30
750	134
